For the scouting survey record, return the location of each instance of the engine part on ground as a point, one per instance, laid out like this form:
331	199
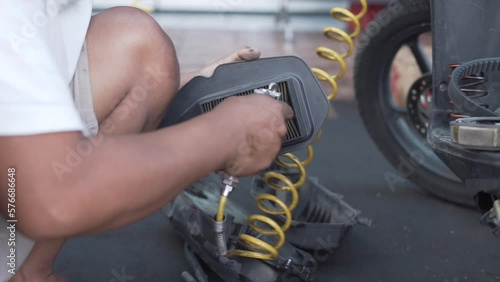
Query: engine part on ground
193	261
191	215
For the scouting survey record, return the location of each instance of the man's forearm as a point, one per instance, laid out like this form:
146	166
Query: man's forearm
68	185
128	177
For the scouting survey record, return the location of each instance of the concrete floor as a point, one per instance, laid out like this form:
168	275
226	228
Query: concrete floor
414	238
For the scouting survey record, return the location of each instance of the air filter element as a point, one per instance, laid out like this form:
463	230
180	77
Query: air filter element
298	86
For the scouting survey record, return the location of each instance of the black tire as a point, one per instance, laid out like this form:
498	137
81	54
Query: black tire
378	45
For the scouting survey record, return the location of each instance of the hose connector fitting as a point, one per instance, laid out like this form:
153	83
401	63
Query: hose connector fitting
230	183
220	237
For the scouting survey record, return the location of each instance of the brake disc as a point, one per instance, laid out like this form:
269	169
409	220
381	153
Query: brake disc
419	103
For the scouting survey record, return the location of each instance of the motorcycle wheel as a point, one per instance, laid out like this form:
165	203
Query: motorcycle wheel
400	25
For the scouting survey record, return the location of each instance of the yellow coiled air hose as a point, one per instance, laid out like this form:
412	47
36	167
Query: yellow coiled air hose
259	248
136	4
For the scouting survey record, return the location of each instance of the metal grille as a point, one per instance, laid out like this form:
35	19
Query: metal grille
293	130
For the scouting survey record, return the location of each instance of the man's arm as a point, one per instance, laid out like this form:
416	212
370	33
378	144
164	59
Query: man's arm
125	178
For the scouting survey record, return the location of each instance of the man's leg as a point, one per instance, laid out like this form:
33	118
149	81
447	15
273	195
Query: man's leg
134	75
133	70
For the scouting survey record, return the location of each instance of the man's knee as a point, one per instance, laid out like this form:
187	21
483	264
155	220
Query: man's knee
144	40
146	66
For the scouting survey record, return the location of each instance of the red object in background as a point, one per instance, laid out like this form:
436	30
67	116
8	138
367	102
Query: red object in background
395	77
373	10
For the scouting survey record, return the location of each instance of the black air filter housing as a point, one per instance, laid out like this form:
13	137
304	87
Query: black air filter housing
298	86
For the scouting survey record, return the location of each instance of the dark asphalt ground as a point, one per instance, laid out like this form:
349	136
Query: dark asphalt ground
414	237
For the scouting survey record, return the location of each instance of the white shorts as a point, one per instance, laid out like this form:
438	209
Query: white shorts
82	95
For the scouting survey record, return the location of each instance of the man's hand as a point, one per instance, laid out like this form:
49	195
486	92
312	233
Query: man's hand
259	124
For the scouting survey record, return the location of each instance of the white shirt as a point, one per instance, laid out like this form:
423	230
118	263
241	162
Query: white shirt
40	43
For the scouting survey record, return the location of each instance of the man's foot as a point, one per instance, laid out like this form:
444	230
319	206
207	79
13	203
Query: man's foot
243	54
38	265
